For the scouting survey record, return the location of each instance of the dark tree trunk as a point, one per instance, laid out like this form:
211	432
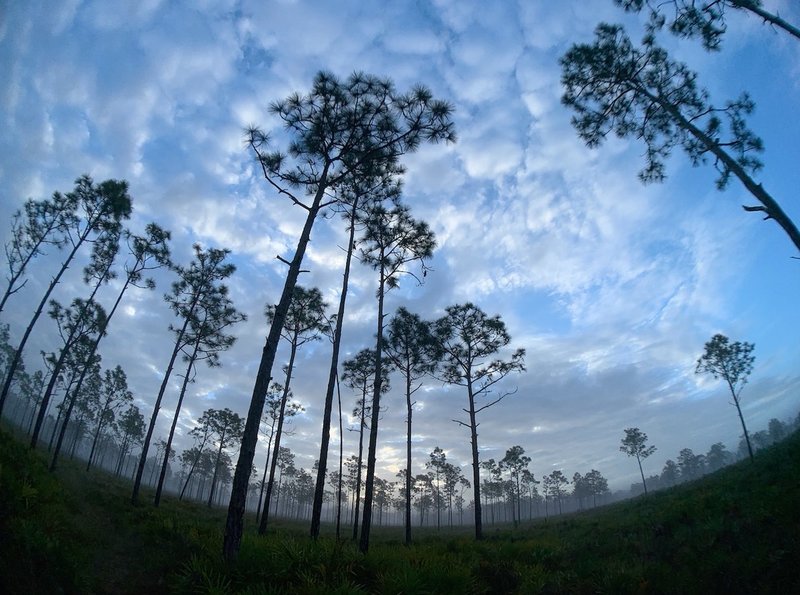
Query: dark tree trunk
262	527
322	468
234	524
146	444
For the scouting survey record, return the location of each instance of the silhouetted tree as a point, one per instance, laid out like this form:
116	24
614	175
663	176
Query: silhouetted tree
305	321
414	352
554	485
515	461
130	430
732	362
43	223
718	456
359	375
671	473
205	339
468	338
226	429
271	414
596	483
634	444
97	210
705	18
613	87
354	129
114	394
392	240
354	195
691	465
195	283
87	320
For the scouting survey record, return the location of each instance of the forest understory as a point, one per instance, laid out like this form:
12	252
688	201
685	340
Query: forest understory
734	531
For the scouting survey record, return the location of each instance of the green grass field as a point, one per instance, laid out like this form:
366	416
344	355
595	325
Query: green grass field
737	531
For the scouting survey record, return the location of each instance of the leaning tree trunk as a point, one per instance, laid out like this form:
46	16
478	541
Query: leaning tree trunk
276	451
322	467
216	469
234	523
18	353
360	460
146	444
366	525
408	457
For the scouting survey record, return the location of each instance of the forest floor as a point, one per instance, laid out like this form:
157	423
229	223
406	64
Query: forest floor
735	531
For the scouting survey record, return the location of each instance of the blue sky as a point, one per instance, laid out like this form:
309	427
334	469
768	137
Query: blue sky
612	287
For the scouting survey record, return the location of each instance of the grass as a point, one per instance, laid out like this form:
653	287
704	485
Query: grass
736	531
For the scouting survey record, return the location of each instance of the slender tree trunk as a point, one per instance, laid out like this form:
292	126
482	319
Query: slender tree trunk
366	524
163	473
266	468
341	462
216	469
234	524
322	467
744	427
64	425
360	460
262	527
21	347
644	483
100	423
476	474
409	409
146	444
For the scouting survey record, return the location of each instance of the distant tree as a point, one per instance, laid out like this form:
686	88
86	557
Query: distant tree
530	482
149	252
437	464
414	352
732	362
354	195
492	486
671	473
114	394
613	87
195	282
383	496
777	430
87	320
305	321
359	375
271	414
555	485
468	338
597	485
634	444
226	430
705	18
515	462
392	240
97	210
43	223
717	457
341	130
78	325
130	431
691	465
192	457
205	339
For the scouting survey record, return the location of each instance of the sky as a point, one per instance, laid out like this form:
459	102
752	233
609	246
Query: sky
612	287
